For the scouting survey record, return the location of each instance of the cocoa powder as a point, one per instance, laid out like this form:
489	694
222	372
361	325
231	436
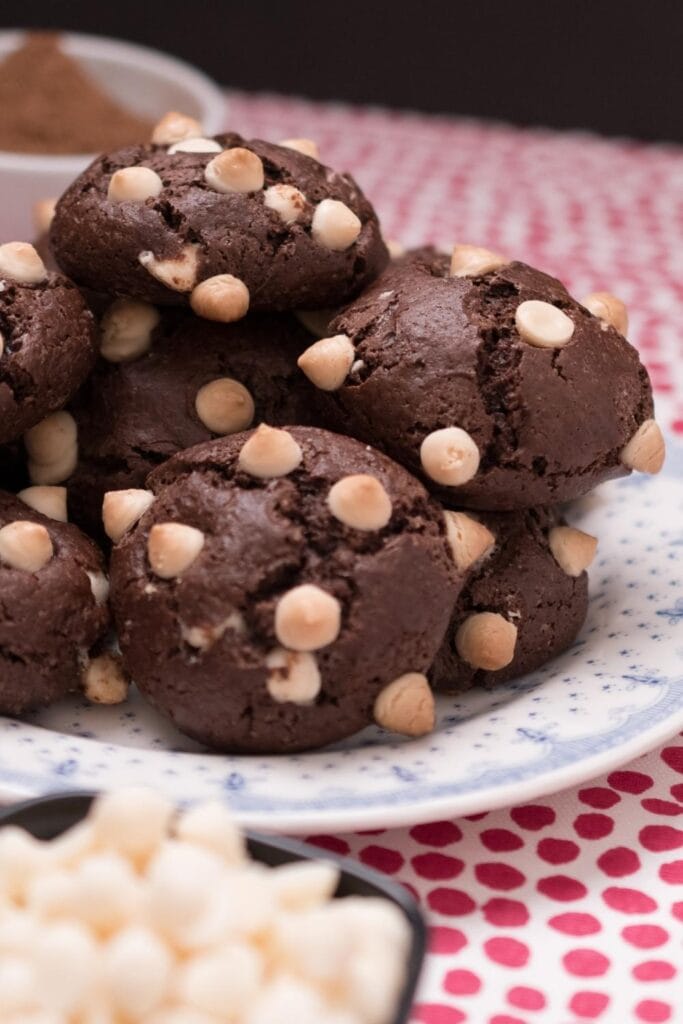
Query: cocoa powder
48	104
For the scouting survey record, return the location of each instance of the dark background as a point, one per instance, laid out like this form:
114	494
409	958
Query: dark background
599	64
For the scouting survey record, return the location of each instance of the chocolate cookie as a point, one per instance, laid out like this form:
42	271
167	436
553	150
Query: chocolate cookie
488	380
47	340
53	604
277	590
524	601
167	381
224	224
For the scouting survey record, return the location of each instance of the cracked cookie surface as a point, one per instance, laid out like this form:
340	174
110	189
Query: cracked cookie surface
434	352
284	263
48	348
133	414
53	606
285	622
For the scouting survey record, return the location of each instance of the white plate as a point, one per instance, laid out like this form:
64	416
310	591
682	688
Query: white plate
617	693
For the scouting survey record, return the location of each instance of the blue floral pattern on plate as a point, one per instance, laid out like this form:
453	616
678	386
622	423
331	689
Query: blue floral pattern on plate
616	693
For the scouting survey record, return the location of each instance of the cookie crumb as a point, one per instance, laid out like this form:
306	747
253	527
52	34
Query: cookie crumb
104	681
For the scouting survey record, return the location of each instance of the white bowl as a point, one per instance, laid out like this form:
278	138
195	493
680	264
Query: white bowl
145	81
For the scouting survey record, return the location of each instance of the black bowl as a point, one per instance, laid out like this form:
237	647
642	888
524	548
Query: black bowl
51	815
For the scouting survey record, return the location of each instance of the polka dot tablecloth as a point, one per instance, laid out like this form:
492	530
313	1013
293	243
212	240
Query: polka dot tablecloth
569	910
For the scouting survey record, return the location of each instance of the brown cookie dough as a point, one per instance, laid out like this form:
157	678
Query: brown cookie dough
53	603
167	381
47	340
488	380
524	601
225	224
279	589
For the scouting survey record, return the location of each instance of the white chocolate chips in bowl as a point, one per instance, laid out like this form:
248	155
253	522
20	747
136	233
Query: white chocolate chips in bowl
141	914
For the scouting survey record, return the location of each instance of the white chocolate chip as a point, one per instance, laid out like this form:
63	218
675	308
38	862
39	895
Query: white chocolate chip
292	676
269	452
51	439
54	472
49	501
65	958
212	825
104	681
99	586
361	502
396	250
307	618
179	273
316	321
406	706
235	170
205	636
20	262
334	225
137	972
646	450
43	215
174	127
486	640
286	200
132	821
302	885
449	456
196	144
134	184
469	539
126	330
223	298
25	545
609	309
225	406
572	549
473	261
172	548
543	325
306	146
327	362
223	982
122	509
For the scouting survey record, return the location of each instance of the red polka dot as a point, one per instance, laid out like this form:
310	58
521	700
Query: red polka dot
446	940
619	861
383	859
501	840
451	902
331	843
672	872
677	791
586	963
588	1005
476	817
557	851
628	901
436	833
562	888
653	1011
575	924
436	866
673	756
665	807
525	998
660	837
506	951
630	782
505	913
504	1018
499	876
370	832
677	910
533	816
645	936
654	970
436	1013
593	826
599	796
461	983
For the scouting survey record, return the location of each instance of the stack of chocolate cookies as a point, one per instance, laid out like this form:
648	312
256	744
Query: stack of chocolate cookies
327	481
